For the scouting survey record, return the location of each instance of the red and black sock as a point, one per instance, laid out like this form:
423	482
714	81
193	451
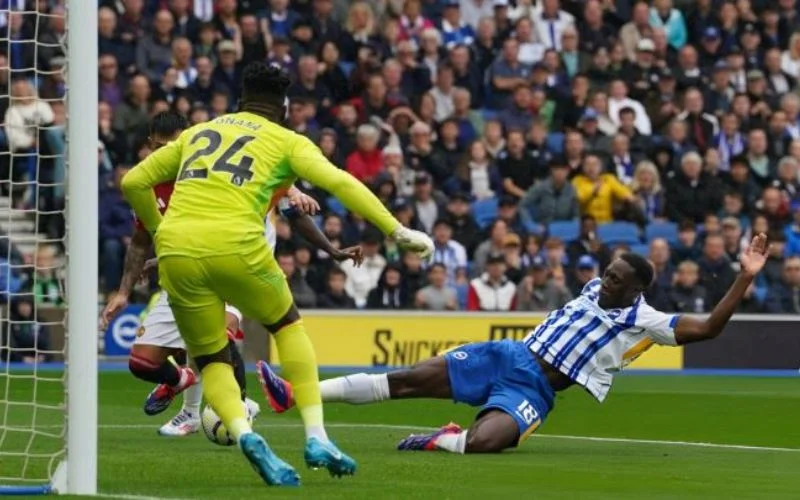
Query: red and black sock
144	369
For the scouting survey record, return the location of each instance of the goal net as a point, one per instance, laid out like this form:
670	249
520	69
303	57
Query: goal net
34	249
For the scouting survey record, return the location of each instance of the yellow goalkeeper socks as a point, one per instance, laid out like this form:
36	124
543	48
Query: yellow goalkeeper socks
299	364
222	393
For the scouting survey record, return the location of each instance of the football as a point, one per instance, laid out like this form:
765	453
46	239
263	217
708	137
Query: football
213	428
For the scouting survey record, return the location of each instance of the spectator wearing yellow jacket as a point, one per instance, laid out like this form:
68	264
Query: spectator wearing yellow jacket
598	192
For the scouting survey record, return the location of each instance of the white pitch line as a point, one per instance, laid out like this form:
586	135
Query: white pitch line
691	444
124	496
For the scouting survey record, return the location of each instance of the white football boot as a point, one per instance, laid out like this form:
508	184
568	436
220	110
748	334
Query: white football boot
183	424
253	408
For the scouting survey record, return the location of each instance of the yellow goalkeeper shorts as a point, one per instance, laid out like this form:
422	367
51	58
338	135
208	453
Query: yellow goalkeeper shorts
198	289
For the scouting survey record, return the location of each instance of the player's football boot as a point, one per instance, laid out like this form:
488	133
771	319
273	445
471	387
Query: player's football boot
183	424
161	397
277	390
273	470
325	454
253	408
427	442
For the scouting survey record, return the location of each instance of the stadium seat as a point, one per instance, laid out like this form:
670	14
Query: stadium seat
485	211
666	230
615	233
566	231
533	228
461	294
346	67
641	249
335	206
555	142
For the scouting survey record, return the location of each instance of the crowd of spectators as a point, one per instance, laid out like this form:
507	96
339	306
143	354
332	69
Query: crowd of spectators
486	123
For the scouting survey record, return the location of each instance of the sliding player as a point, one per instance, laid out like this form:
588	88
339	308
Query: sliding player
211	251
514	382
159	339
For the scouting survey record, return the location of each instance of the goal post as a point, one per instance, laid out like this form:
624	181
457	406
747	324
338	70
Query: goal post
49	248
82	247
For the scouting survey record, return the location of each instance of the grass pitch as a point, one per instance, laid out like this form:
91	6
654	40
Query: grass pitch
644	442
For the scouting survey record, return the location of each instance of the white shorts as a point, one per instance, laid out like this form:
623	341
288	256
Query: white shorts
159	328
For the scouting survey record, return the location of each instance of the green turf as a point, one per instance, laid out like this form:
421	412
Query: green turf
758	412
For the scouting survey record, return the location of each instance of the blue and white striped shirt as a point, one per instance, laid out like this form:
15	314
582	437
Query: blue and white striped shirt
588	344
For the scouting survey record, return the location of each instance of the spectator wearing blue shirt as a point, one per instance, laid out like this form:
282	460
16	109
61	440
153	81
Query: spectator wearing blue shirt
116	227
469	121
507	73
10	282
792	233
280	18
784	296
454	30
518	116
664	16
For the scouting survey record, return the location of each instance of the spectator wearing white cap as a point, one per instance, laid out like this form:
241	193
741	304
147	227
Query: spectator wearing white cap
643	72
393	161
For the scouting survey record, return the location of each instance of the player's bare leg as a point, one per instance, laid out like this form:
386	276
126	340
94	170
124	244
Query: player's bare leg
492	432
152	364
300	365
428	379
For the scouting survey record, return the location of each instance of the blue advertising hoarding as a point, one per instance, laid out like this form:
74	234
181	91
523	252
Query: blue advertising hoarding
121	333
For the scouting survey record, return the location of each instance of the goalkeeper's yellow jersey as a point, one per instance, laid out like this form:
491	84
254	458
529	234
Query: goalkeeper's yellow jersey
229	173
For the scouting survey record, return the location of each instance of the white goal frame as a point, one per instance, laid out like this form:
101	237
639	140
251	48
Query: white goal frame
76	474
82	249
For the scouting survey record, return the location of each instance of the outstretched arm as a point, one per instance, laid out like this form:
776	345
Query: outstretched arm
690	330
308	162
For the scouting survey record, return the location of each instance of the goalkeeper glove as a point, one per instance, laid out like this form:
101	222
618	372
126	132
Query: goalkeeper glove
416	241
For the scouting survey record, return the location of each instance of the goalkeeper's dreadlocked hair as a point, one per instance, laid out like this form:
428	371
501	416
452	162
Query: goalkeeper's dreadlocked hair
264	83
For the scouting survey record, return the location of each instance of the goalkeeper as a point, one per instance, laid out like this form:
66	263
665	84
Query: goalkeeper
211	250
